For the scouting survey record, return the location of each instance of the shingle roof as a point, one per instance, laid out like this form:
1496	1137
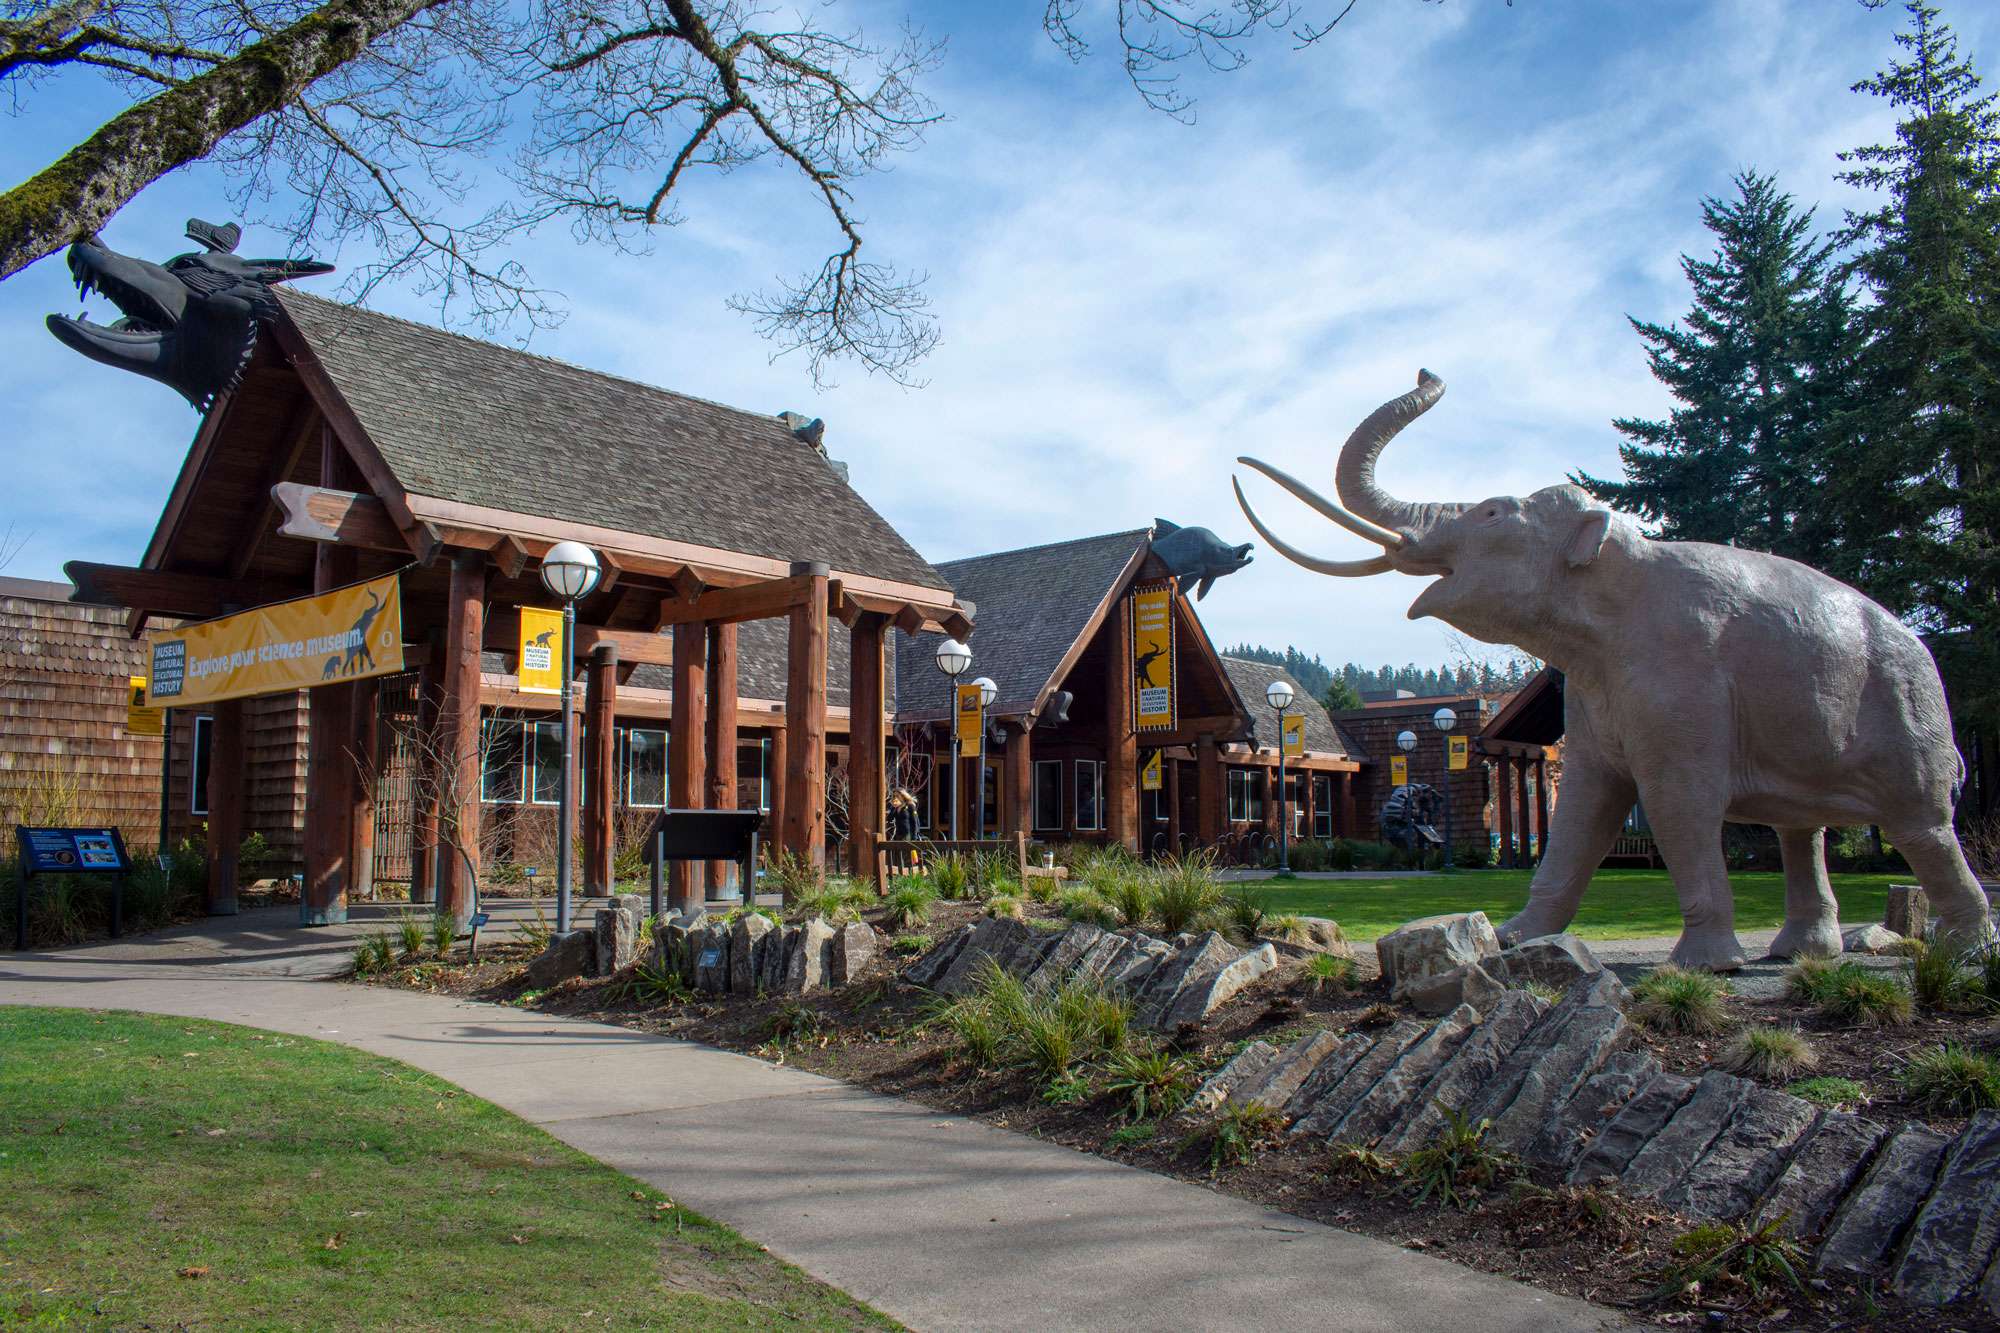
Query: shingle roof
1030	606
1323	735
481	424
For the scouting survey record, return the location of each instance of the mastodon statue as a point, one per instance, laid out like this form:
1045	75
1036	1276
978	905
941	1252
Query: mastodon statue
1715	684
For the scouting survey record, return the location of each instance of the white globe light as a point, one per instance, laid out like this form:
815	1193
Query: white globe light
1406	741
953	657
1444	719
988	691
1278	694
569	570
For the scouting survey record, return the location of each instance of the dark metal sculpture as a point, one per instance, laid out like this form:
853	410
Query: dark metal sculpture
1196	553
190	323
1410	816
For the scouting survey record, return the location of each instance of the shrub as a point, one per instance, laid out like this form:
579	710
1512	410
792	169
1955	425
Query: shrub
1004	904
1674	1000
1835	1094
1987	966
540	931
1721	1255
1241	913
1308	855
789	874
1081	904
648	983
909	904
1340	854
1951	1080
1456	1165
409	927
1153	1082
949	875
1769	1052
1187	889
1128	894
1868	999
375	954
440	933
1324	971
1935	976
1042	889
1289	927
1238	1131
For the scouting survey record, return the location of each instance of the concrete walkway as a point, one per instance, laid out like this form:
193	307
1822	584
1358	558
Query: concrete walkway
940	1221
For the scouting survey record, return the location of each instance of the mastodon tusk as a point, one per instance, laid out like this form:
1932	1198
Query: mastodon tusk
1341	568
1361	527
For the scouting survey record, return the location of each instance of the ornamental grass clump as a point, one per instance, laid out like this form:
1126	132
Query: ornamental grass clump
375	954
441	931
1951	1080
909	904
410	934
1457	1166
1674	1000
1810	980
1937	979
1128	893
1719	1256
1288	927
1327	971
1150	1082
949	875
1005	905
1086	905
1861	998
1834	1093
1769	1053
1185	891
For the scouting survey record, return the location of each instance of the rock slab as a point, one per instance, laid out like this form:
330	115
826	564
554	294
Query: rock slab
1957	1231
566	956
1828	1162
1908	911
1878	1211
1432	946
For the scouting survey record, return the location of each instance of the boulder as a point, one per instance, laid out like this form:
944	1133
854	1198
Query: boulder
1908	911
746	940
775	958
1432	946
1330	1070
1067	953
1552	960
1576	1049
1332	1106
1203	992
1872	1220
1956	1233
809	960
855	950
1826	1164
568	955
1602	1096
932	966
1246	1064
711	958
1870	938
1275	1084
1001	939
615	939
1469	984
1324	934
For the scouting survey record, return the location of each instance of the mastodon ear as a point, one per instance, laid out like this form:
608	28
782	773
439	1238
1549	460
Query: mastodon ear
1588	539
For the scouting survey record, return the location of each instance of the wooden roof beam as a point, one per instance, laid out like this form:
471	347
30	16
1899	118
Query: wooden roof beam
158	592
728	606
318	514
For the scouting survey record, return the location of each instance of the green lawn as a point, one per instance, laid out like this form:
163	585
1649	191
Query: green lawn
169	1173
1618	904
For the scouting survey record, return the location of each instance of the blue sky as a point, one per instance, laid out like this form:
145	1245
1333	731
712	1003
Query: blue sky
1128	302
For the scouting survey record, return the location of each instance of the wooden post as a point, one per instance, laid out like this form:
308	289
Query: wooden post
423	779
1173	781
459	738
775	767
225	806
364	757
1210	798
805	721
687	769
1541	807
1019	788
721	736
1121	743
331	789
1308	782
1521	820
1507	860
864	743
1272	790
1349	828
600	769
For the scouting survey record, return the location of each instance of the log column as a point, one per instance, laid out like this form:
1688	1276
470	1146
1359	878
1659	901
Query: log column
1507	860
225	806
865	702
1121	744
774	826
1210	799
687	768
458	736
1273	793
1348	827
1521	817
1173	781
721	736
1018	791
1309	783
330	785
365	754
1541	807
423	779
600	769
805	721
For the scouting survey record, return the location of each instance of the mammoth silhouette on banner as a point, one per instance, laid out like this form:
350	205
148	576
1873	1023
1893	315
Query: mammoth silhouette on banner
1715	684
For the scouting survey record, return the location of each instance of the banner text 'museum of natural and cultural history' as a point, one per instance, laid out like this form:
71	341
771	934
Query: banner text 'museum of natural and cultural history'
346	634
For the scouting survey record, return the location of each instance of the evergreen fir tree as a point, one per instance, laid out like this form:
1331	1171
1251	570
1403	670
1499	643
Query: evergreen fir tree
1919	489
1758	368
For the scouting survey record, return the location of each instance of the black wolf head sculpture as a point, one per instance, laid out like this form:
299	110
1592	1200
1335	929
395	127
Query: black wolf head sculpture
190	323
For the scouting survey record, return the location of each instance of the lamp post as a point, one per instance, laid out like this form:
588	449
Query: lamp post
1444	720
1278	694
988	692
570	571
954	659
1406	741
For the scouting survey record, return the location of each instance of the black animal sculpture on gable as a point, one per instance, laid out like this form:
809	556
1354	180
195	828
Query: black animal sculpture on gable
1196	553
190	323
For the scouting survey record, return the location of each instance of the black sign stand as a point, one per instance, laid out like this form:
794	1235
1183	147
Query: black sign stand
69	851
703	835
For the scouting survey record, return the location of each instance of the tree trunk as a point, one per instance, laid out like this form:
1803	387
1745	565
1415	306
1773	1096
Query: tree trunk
78	194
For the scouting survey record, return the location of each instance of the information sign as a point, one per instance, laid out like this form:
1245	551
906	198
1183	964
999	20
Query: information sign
1150	776
1293	728
1460	750
1399	770
139	719
347	634
1153	702
541	648
971	720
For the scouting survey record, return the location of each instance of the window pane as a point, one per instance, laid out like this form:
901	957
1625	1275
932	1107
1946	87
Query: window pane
645	767
198	767
1256	781
989	800
753	790
546	763
1048	794
500	773
1088	779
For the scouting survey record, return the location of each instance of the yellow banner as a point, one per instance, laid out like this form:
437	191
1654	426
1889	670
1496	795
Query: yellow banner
971	721
1399	770
1460	750
347	634
1151	775
1153	704
541	650
139	719
1293	732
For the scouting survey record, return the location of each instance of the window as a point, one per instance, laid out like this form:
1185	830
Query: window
989	801
1246	796
1048	795
545	757
753	778
502	760
645	767
1089	794
1322	806
198	766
